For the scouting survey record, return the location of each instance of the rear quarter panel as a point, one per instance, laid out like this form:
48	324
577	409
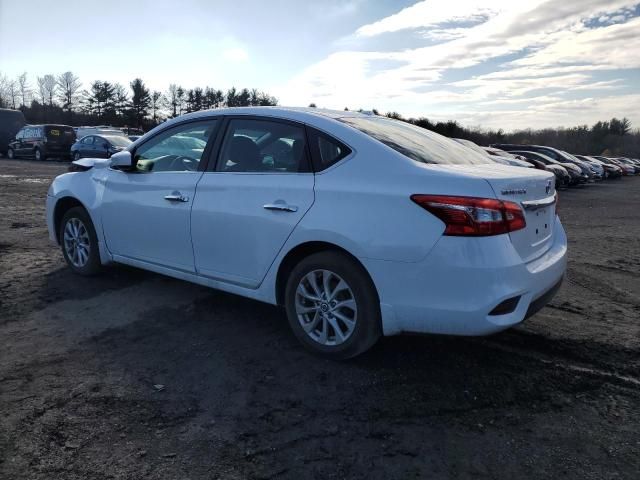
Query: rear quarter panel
363	203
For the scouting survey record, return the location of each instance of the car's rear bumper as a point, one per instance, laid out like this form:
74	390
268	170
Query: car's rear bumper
457	286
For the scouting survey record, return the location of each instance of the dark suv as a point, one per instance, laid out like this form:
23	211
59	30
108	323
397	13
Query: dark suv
42	141
11	121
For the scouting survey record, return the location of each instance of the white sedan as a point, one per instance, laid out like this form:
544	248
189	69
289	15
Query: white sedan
359	225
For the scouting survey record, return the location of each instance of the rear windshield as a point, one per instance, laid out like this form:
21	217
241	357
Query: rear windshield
416	143
59	132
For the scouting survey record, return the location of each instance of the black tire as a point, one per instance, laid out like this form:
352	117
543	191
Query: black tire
368	326
37	154
93	265
10	154
76	156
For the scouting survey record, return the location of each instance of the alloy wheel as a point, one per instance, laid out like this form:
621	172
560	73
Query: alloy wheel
326	307
76	242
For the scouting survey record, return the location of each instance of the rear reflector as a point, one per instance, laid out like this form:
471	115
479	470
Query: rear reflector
471	216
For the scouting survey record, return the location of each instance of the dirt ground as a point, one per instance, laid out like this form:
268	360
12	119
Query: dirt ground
133	375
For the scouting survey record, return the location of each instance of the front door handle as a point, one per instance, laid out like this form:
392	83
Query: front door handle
283	207
176	197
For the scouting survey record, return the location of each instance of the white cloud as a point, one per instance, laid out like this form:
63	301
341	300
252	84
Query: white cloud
433	12
556	53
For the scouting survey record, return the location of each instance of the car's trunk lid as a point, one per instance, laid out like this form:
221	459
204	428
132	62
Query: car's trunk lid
533	190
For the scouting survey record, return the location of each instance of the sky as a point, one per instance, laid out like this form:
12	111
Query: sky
491	64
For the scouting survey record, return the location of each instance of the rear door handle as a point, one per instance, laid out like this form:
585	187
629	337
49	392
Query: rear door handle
176	197
283	207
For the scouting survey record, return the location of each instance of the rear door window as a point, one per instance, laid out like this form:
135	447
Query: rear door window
264	145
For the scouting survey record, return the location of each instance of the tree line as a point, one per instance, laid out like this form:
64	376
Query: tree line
61	99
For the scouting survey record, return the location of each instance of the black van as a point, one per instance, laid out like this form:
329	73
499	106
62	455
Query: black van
42	141
11	121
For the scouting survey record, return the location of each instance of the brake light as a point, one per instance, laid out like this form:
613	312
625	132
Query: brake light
471	216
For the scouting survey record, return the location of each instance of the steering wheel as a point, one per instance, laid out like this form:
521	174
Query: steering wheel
183	162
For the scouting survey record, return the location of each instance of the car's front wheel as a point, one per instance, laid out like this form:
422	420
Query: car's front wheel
10	154
79	242
76	156
332	305
38	154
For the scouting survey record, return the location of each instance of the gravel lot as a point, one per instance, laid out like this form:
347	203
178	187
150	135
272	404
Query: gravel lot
133	375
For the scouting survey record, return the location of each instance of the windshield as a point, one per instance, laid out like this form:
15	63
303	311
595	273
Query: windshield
416	143
119	141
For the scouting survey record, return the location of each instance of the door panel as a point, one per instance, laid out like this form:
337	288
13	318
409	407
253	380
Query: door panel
235	238
140	223
147	212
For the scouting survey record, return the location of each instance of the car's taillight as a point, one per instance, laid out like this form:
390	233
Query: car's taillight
471	216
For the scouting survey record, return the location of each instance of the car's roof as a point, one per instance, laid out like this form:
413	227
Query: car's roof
299	113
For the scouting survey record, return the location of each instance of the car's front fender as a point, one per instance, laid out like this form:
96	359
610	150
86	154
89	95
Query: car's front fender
85	188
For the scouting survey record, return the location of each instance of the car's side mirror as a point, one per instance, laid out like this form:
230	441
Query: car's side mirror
121	160
105	145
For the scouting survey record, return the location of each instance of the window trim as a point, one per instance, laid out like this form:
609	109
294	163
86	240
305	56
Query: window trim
212	166
211	142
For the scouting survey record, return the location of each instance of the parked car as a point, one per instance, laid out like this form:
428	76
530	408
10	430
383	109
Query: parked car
575	173
99	146
359	225
494	158
553	153
128	131
98	130
597	169
563	178
626	169
609	171
42	142
630	163
11	121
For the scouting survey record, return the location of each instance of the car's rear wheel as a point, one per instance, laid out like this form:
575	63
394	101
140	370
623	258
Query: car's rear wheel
79	242
38	154
332	305
10	154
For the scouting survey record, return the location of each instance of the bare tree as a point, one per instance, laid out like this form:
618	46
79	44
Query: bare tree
50	88
42	91
68	86
25	88
12	93
4	85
